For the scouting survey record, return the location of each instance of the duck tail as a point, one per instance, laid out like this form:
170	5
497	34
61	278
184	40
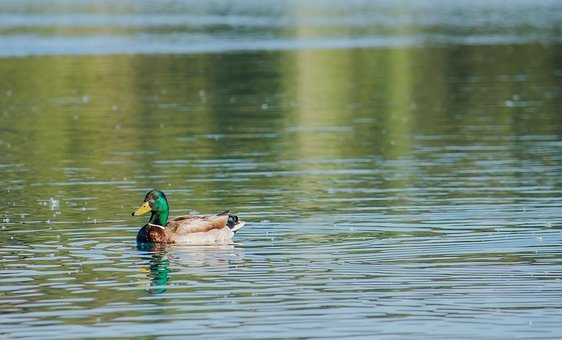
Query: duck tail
233	222
237	226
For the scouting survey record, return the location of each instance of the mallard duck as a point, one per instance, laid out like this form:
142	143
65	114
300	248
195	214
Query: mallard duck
188	229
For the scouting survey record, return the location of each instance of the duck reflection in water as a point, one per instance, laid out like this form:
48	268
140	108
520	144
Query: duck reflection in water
195	262
158	267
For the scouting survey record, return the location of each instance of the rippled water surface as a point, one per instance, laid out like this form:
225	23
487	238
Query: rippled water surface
391	191
39	27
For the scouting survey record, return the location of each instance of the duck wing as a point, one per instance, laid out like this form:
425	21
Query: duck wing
188	224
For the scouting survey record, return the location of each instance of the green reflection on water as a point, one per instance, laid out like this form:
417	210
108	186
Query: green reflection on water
159	273
146	121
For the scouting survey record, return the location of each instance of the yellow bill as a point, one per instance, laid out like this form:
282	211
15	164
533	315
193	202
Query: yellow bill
143	209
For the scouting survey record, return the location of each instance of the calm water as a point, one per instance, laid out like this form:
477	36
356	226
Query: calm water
400	178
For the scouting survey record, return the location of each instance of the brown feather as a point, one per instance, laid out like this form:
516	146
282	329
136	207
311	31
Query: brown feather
150	233
196	224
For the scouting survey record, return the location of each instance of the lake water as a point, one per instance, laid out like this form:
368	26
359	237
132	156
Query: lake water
399	165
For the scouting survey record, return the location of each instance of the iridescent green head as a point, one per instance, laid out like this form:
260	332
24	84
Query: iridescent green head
155	201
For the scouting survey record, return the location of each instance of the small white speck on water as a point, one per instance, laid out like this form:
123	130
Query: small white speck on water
85	99
54	203
115	108
264	106
202	96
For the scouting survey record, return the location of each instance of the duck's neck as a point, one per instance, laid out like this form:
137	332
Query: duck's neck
159	218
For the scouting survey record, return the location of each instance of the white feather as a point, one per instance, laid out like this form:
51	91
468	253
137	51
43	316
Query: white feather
238	226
